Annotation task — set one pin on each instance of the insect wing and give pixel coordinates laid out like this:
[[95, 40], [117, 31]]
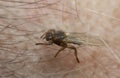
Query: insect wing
[[84, 39]]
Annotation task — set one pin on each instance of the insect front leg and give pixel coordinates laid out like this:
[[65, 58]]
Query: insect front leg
[[49, 43], [74, 48], [59, 51]]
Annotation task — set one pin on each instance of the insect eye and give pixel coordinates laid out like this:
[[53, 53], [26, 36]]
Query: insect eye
[[49, 36]]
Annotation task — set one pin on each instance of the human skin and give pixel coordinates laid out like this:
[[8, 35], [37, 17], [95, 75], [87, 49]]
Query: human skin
[[23, 22]]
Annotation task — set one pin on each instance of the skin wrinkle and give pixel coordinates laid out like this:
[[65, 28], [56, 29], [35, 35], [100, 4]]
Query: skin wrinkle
[[24, 21]]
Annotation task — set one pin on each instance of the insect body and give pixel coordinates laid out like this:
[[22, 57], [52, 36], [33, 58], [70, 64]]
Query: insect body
[[65, 40]]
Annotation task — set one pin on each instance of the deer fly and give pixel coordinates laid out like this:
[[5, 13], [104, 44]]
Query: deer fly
[[65, 39]]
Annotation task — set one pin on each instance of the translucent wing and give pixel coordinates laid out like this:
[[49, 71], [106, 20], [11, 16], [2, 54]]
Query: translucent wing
[[83, 39]]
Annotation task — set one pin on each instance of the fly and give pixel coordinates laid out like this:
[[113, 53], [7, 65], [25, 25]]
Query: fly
[[64, 40]]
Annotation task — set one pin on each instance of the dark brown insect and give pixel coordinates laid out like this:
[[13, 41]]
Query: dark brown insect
[[65, 40]]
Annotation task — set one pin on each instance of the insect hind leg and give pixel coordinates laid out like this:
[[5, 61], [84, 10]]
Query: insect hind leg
[[74, 48]]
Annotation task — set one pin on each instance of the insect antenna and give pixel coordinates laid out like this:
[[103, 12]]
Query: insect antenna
[[43, 36]]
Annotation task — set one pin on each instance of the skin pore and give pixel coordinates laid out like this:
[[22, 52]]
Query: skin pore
[[22, 22]]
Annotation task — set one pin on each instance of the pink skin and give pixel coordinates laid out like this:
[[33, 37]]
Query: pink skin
[[23, 22]]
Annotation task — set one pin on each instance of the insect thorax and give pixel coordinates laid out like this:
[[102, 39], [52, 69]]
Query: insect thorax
[[58, 37]]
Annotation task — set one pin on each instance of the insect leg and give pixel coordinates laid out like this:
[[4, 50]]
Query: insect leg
[[49, 43], [74, 48], [43, 43], [59, 51]]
